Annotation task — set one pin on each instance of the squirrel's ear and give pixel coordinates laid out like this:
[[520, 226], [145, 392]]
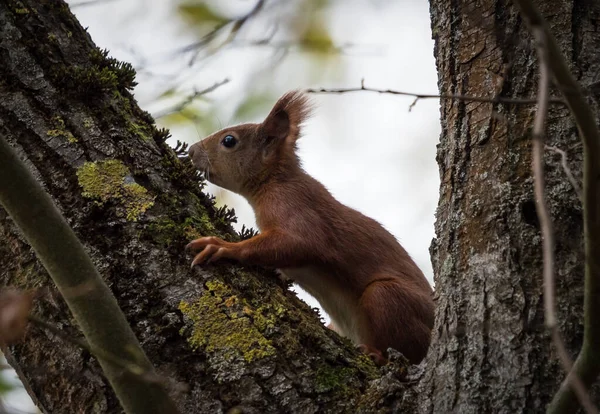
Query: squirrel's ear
[[286, 117]]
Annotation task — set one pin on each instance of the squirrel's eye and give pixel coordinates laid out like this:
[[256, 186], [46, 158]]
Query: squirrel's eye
[[229, 141]]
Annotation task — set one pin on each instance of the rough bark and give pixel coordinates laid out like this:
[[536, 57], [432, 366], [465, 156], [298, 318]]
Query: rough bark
[[491, 352], [224, 336]]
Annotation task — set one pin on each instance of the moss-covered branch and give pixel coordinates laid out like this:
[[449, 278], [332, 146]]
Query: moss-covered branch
[[93, 306]]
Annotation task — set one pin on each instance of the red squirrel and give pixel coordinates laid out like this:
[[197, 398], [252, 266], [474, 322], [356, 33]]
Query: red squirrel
[[367, 283]]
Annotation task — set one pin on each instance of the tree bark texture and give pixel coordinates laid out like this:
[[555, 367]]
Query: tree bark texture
[[490, 351], [222, 336]]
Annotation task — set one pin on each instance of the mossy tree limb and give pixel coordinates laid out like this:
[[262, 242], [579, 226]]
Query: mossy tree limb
[[135, 206]]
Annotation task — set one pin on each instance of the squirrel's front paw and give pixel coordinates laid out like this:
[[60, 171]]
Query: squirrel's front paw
[[202, 242], [211, 253], [212, 249]]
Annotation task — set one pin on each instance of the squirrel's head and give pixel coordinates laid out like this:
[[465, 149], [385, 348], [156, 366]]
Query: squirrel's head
[[242, 158]]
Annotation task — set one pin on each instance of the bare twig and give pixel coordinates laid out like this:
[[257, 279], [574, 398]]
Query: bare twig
[[189, 99], [587, 365], [565, 166], [236, 25], [417, 96], [546, 221], [89, 3], [341, 49]]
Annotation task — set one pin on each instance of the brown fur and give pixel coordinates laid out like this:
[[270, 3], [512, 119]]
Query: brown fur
[[368, 284]]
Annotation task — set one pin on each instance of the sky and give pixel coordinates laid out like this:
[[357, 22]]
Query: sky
[[368, 149]]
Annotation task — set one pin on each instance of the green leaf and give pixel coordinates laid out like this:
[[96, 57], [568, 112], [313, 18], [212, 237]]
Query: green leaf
[[316, 38], [169, 93], [200, 13]]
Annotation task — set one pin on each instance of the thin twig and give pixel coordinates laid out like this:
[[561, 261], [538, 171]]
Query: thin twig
[[210, 36], [587, 365], [89, 3], [417, 96], [565, 166], [189, 99], [546, 221]]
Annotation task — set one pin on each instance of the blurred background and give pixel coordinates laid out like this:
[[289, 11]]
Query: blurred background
[[204, 65]]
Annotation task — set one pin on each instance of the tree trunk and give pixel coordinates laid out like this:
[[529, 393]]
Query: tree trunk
[[491, 352], [224, 336]]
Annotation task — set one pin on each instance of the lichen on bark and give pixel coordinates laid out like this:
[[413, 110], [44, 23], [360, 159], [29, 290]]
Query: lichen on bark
[[223, 324], [110, 180]]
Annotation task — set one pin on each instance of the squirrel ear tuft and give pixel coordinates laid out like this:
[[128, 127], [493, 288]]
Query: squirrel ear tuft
[[286, 117]]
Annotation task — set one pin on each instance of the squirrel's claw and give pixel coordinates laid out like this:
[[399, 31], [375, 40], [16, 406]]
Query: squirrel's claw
[[210, 254], [206, 255], [202, 242]]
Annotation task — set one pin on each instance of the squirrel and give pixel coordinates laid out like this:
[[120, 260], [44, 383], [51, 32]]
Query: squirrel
[[367, 283]]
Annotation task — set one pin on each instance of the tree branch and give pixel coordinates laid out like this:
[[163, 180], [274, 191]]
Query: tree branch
[[86, 3], [565, 166], [210, 36], [65, 259], [189, 99], [417, 96], [546, 221], [587, 365]]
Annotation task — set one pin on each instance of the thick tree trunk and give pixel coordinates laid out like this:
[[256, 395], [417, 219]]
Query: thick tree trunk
[[224, 336], [491, 352]]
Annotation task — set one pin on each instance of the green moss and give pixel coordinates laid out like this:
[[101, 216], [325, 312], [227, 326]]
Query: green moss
[[60, 130], [122, 105], [93, 79], [176, 169], [161, 135], [52, 38], [88, 123], [365, 364], [330, 378], [124, 72], [142, 131], [105, 180], [164, 231], [217, 326], [168, 233], [103, 73], [22, 10], [207, 223]]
